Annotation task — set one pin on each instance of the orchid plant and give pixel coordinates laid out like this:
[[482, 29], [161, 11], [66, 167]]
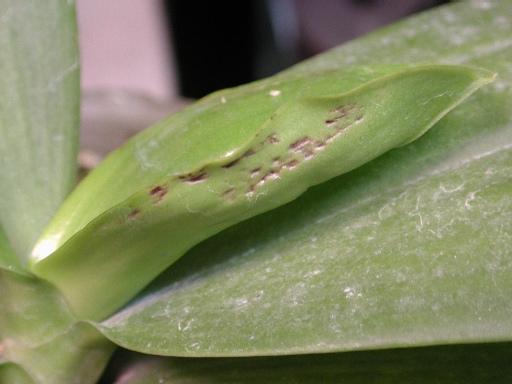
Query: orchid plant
[[313, 226]]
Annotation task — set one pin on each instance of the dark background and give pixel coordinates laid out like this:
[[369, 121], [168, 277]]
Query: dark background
[[224, 43]]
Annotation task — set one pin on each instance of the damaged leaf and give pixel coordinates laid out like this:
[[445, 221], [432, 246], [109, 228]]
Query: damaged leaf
[[305, 141]]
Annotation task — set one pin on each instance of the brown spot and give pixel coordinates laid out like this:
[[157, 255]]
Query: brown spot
[[308, 154], [269, 176], [343, 110], [194, 178], [304, 146], [135, 212], [159, 192], [255, 172], [232, 164], [248, 153], [320, 145], [229, 194], [299, 144], [272, 175], [272, 139], [250, 191], [291, 164], [341, 113]]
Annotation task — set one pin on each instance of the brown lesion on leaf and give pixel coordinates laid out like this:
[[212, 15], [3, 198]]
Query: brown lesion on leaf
[[343, 117], [269, 176], [193, 178], [158, 191], [305, 147], [320, 145], [302, 148], [236, 161], [134, 213], [229, 194], [255, 172], [251, 189], [272, 139], [276, 162], [232, 164], [344, 110], [339, 114], [298, 145], [292, 164]]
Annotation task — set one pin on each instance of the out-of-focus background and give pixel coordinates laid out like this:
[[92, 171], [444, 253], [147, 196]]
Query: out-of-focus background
[[142, 60]]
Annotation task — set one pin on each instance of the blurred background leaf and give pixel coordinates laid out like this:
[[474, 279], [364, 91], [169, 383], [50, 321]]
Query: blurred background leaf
[[464, 364], [39, 108]]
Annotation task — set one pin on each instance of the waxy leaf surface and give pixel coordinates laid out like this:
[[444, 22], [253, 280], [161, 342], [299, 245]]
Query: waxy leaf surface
[[40, 340], [38, 115], [304, 142], [413, 248]]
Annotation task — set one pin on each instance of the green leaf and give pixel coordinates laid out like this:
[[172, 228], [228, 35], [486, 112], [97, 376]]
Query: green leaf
[[410, 249], [464, 364], [12, 373], [304, 142], [40, 341], [177, 144], [39, 336], [38, 115], [8, 258], [342, 270]]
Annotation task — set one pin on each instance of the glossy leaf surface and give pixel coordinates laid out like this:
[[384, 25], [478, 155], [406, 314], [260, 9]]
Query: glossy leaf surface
[[8, 258], [42, 338], [304, 142], [38, 115], [40, 341], [410, 249], [211, 130]]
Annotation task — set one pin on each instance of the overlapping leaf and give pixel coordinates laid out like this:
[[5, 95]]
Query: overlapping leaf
[[292, 144], [40, 341], [38, 115], [411, 249]]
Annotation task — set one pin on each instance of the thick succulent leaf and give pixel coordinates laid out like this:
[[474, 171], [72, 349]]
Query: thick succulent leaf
[[12, 373], [40, 337], [464, 364], [410, 249], [38, 115], [304, 142], [385, 269], [8, 258], [208, 131]]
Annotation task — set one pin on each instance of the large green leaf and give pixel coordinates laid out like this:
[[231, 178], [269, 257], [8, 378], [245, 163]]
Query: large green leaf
[[410, 249], [8, 258], [38, 115], [42, 338], [303, 142], [467, 364]]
